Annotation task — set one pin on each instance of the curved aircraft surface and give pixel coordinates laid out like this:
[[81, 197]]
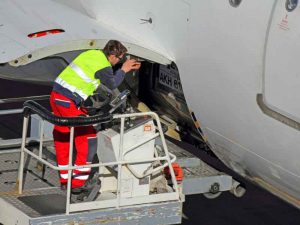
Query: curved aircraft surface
[[237, 62]]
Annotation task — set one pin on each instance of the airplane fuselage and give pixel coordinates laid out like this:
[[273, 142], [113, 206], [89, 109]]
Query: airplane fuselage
[[237, 63]]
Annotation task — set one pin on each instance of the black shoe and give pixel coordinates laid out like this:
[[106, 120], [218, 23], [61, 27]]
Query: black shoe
[[87, 185], [63, 187], [77, 191], [90, 190]]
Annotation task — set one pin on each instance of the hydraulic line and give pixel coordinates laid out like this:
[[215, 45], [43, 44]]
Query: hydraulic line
[[33, 107]]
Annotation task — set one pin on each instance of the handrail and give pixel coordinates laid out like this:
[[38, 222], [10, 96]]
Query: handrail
[[23, 99], [33, 107], [123, 162], [19, 99]]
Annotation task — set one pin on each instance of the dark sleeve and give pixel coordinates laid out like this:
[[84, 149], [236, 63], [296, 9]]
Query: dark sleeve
[[109, 78]]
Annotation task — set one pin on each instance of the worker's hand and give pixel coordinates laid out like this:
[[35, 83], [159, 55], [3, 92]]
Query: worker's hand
[[130, 64]]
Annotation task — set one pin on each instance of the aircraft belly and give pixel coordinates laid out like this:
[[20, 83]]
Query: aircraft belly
[[9, 47], [78, 31], [221, 78], [249, 164]]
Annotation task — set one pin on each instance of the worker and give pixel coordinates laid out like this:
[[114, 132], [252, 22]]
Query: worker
[[79, 80]]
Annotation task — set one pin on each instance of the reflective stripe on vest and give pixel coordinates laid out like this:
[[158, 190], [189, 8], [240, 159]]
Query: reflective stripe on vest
[[82, 74], [71, 88], [79, 76]]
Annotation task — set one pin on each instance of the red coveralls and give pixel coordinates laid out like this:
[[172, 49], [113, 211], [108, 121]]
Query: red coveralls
[[85, 139]]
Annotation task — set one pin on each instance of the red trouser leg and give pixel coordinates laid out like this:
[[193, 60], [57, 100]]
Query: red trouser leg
[[85, 153], [61, 142], [85, 148]]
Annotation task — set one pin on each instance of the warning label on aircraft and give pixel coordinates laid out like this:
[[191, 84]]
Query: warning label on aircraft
[[284, 24], [169, 77]]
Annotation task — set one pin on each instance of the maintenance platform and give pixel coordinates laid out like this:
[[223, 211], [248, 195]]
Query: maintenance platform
[[133, 155]]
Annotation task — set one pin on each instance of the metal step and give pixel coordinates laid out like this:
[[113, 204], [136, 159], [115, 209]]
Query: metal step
[[199, 177], [36, 175], [184, 158]]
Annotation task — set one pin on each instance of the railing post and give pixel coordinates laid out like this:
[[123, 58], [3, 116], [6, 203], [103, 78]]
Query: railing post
[[120, 158], [165, 148], [70, 171], [41, 139], [21, 166]]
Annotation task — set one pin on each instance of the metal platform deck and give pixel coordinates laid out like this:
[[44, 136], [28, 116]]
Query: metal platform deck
[[42, 201]]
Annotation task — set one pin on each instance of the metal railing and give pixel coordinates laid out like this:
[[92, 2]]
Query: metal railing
[[172, 196], [19, 99], [15, 143]]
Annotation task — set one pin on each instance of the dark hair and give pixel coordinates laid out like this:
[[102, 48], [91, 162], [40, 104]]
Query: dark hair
[[114, 47]]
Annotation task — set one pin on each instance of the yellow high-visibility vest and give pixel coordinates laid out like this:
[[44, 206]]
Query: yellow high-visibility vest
[[79, 76]]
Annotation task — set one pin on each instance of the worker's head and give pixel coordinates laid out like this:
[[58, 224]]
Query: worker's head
[[114, 51]]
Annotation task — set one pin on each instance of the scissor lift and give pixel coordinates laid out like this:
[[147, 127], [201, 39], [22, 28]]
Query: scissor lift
[[30, 192]]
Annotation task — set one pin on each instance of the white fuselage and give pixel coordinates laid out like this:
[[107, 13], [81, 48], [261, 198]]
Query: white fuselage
[[233, 55], [226, 56]]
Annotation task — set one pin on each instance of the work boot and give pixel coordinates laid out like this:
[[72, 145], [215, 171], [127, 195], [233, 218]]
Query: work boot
[[89, 191], [63, 187]]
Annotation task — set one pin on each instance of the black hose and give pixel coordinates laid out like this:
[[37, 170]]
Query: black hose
[[33, 107]]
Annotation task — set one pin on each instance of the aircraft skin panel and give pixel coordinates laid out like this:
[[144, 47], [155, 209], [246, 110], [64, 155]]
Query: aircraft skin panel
[[219, 50], [222, 60], [9, 47], [167, 30], [80, 31], [221, 77], [282, 81], [14, 12]]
